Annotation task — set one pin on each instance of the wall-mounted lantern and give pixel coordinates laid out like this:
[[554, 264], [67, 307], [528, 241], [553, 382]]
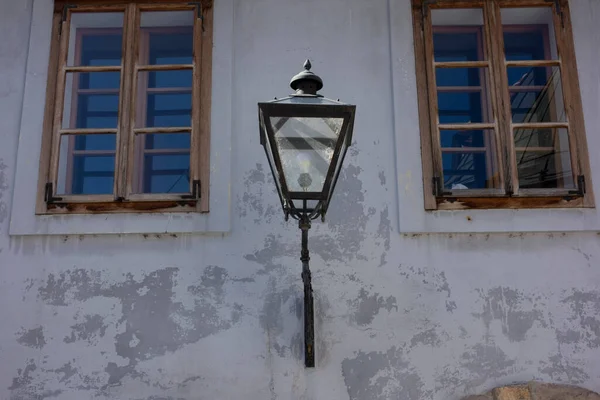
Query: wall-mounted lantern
[[306, 137]]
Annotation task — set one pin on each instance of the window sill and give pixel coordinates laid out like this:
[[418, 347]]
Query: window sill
[[122, 207], [468, 203]]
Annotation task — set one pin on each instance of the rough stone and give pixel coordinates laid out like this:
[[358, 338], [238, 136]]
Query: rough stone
[[516, 392]]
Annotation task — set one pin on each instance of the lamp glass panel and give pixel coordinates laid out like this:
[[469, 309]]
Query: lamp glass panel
[[306, 147]]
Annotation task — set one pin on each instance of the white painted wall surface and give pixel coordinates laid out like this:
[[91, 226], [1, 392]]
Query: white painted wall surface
[[400, 315]]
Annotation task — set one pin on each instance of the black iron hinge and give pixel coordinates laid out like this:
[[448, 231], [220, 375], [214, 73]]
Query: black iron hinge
[[49, 198], [580, 191], [198, 6], [196, 191], [559, 10], [424, 11], [438, 188], [65, 12]]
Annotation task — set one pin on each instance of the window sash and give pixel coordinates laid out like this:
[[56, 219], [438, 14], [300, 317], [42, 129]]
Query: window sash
[[126, 131], [509, 193]]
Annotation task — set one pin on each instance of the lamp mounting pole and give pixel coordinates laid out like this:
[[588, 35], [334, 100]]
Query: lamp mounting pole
[[309, 322]]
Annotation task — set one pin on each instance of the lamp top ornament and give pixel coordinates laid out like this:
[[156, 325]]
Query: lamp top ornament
[[306, 82]]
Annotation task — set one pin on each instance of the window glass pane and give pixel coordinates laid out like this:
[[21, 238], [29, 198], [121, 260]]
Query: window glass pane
[[162, 163], [462, 95], [95, 39], [86, 164], [543, 158], [469, 159], [164, 99], [167, 37], [458, 34], [91, 100], [529, 33], [536, 94]]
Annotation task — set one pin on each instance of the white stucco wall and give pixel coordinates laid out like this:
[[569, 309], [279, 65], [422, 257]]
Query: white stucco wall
[[213, 310]]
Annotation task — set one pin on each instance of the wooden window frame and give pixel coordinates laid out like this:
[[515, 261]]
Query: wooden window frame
[[509, 196], [123, 200]]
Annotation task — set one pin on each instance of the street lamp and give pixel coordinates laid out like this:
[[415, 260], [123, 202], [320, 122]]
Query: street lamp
[[305, 137]]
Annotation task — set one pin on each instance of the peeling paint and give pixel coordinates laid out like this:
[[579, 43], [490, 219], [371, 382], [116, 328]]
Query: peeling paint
[[154, 323], [560, 369], [367, 307], [32, 338], [484, 362], [585, 308], [88, 330], [382, 376], [509, 306], [427, 337], [348, 220], [281, 305]]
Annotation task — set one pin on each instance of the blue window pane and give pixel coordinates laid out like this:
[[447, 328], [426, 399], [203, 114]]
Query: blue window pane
[[167, 141], [536, 95], [464, 170], [93, 174], [166, 173], [173, 79], [97, 111], [460, 107], [457, 46], [97, 185], [95, 142], [172, 48], [527, 45], [459, 76], [165, 110], [101, 49], [99, 80], [453, 138], [86, 164]]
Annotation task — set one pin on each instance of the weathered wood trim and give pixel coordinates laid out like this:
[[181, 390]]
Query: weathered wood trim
[[47, 129], [499, 96], [124, 200], [463, 203]]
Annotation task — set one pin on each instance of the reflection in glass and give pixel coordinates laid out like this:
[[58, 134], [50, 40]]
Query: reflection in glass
[[165, 99], [306, 147], [536, 94], [468, 159], [543, 158], [86, 164], [162, 163], [457, 34], [462, 95], [91, 100], [166, 37], [529, 33], [95, 39]]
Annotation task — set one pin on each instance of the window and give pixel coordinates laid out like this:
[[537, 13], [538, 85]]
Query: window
[[128, 108], [499, 103]]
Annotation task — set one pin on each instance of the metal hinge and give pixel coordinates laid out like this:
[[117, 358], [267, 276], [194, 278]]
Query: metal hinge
[[580, 186], [198, 6], [65, 12], [424, 11], [438, 188], [196, 191], [559, 10], [49, 198]]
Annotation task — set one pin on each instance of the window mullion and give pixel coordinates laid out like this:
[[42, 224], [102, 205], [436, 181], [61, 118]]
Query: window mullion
[[570, 91], [60, 100], [127, 101], [436, 150], [501, 97]]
